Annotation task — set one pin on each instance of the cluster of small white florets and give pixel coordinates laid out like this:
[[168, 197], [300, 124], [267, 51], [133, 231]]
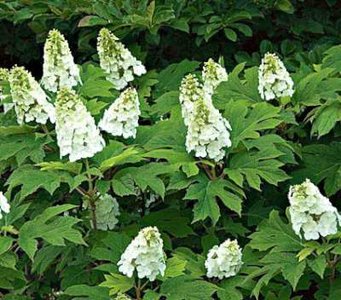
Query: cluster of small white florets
[[59, 68], [4, 205], [107, 211], [30, 101], [213, 74], [116, 60], [311, 212], [190, 91], [145, 254], [274, 79], [208, 132], [224, 260], [77, 133], [122, 117]]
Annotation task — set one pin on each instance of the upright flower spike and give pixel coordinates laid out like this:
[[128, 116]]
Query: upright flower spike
[[311, 212], [224, 261], [208, 132], [107, 210], [190, 91], [116, 60], [122, 117], [30, 100], [274, 79], [145, 254], [4, 205], [213, 74], [59, 68], [77, 133]]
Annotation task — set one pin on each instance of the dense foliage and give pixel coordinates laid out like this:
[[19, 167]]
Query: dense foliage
[[188, 150]]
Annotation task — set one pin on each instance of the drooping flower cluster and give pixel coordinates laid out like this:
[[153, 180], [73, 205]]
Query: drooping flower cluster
[[59, 68], [116, 60], [311, 212], [145, 254], [224, 260], [77, 133], [30, 101], [213, 74], [208, 132], [107, 210], [4, 205], [274, 79], [122, 117]]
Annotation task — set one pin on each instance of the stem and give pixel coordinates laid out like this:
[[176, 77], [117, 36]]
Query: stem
[[138, 290], [93, 214], [91, 194]]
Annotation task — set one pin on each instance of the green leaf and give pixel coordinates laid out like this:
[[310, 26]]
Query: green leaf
[[255, 166], [247, 124], [91, 292], [321, 163], [230, 34], [5, 244], [175, 267], [31, 179], [318, 265], [47, 226], [276, 235], [207, 192], [117, 283], [237, 88], [187, 288]]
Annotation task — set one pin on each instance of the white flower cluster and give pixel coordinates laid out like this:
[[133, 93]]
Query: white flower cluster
[[30, 101], [190, 91], [274, 79], [59, 68], [224, 260], [116, 60], [77, 133], [107, 210], [208, 132], [312, 212], [122, 117], [145, 254], [4, 205], [213, 74]]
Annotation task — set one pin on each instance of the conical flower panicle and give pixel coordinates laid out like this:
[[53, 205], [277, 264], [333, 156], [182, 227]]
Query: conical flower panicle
[[274, 79], [30, 100], [77, 133], [59, 68], [116, 60], [145, 254], [190, 91], [208, 132], [4, 205], [122, 117], [311, 212], [224, 261], [213, 74]]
